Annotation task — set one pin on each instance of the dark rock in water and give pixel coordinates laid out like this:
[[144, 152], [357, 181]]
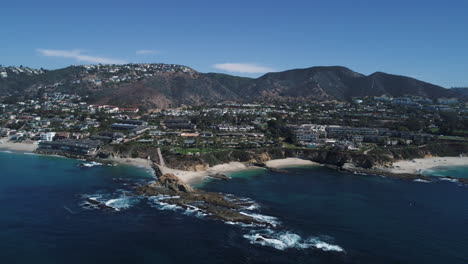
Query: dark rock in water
[[219, 176], [215, 205], [97, 204], [153, 189], [278, 170], [157, 170], [173, 183], [259, 164], [92, 201]]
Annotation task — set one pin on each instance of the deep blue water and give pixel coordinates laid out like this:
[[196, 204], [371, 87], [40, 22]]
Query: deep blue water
[[373, 219]]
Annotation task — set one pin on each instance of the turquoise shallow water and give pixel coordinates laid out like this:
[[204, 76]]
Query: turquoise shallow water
[[456, 171], [322, 216]]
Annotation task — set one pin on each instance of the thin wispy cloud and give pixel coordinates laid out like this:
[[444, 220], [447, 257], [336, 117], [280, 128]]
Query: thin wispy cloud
[[242, 68], [146, 52], [78, 56]]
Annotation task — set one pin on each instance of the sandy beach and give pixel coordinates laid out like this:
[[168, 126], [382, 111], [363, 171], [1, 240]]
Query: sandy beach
[[17, 147], [194, 177], [137, 162], [419, 165], [289, 162]]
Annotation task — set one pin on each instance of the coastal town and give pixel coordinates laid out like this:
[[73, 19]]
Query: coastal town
[[60, 122], [234, 132]]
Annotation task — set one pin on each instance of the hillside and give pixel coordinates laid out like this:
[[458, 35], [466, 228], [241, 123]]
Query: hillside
[[463, 91], [340, 83], [169, 85]]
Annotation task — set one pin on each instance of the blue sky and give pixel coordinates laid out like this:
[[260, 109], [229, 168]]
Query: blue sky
[[427, 40]]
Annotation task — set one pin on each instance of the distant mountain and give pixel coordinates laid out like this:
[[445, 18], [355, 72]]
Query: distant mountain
[[463, 91], [340, 83], [169, 85]]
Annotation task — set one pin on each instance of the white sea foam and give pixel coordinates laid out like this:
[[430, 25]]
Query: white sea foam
[[449, 179], [157, 202], [421, 180], [263, 218], [122, 203], [252, 207], [118, 201], [286, 240], [90, 164], [193, 210], [241, 224]]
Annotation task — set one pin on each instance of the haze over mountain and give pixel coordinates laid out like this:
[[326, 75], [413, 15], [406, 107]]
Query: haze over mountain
[[169, 85]]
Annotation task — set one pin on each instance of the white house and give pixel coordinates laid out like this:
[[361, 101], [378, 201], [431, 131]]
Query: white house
[[49, 136]]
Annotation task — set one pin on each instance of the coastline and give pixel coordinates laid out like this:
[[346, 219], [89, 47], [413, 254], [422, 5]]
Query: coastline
[[402, 169], [135, 162], [289, 162], [195, 177], [20, 147], [418, 166]]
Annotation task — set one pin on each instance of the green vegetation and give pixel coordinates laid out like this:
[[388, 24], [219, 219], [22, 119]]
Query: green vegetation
[[196, 150]]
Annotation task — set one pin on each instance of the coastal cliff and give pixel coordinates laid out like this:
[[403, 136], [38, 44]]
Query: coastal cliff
[[381, 157]]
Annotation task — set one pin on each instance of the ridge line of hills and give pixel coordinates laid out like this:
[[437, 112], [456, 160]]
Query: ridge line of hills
[[169, 85]]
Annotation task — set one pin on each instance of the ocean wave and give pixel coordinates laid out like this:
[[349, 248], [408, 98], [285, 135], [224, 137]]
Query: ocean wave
[[122, 203], [421, 180], [89, 164], [245, 203], [193, 210], [158, 203], [117, 201], [287, 240], [449, 179], [273, 221]]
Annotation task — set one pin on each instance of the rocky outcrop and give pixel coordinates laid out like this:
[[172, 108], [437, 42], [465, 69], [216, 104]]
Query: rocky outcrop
[[348, 167], [214, 205], [173, 183]]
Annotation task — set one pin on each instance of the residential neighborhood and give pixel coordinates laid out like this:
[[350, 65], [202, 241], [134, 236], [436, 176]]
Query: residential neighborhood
[[67, 119]]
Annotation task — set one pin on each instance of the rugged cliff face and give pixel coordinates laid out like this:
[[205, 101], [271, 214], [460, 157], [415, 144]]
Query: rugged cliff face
[[375, 158]]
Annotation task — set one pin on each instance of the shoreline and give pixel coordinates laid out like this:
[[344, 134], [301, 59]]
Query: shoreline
[[419, 166], [18, 147], [289, 163], [135, 162], [402, 169], [196, 177]]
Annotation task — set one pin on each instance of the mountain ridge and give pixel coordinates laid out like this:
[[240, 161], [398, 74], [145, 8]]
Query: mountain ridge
[[170, 85]]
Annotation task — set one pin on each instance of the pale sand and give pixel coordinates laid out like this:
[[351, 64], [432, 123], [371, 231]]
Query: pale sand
[[137, 162], [194, 177], [289, 162], [228, 167], [189, 177], [17, 147], [420, 165]]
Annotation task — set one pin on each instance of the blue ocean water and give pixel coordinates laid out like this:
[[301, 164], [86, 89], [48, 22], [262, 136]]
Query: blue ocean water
[[322, 216]]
